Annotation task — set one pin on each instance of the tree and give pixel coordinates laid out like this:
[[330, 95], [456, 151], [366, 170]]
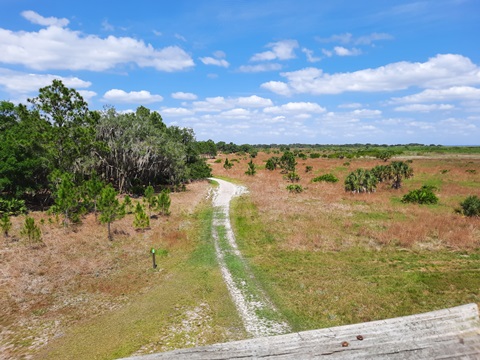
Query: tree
[[110, 208], [141, 221], [149, 198], [382, 172], [227, 164], [251, 170], [361, 180], [127, 204], [72, 133], [399, 170], [288, 162], [31, 231], [384, 155], [93, 190], [67, 197], [272, 163], [5, 224], [163, 202]]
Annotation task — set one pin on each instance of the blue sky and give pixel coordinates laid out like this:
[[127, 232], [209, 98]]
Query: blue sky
[[327, 72]]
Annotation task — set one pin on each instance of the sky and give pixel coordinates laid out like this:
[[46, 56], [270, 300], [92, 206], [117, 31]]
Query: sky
[[259, 71]]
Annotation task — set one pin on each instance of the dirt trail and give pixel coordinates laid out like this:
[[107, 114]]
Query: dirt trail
[[259, 316]]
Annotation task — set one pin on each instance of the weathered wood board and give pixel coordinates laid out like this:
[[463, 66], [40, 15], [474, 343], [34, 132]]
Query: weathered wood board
[[444, 334]]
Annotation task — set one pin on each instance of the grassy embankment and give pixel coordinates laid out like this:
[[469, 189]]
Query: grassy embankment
[[95, 299], [329, 258]]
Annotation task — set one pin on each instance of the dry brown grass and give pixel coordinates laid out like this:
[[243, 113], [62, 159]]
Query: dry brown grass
[[78, 273], [325, 217]]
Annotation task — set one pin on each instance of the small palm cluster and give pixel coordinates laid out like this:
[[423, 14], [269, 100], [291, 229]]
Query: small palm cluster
[[363, 180]]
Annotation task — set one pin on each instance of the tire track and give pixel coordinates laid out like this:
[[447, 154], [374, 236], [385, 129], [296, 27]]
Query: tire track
[[259, 316]]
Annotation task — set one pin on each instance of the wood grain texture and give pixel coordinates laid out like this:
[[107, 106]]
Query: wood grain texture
[[444, 334]]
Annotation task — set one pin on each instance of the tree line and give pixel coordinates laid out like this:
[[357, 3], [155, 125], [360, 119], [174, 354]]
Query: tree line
[[56, 139]]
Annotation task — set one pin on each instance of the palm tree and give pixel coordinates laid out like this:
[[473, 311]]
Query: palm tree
[[361, 180], [399, 170]]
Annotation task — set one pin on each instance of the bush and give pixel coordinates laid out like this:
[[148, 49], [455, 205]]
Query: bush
[[424, 195], [12, 206], [471, 206], [31, 231], [326, 177], [295, 188]]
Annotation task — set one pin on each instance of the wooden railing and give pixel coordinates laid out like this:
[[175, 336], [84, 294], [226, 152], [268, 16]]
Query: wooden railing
[[444, 334]]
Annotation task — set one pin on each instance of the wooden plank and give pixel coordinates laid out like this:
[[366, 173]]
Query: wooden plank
[[444, 334]]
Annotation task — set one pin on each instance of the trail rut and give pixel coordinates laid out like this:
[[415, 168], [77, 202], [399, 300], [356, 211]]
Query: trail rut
[[259, 316]]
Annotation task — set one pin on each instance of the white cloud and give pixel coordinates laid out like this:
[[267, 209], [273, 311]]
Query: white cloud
[[19, 82], [366, 113], [213, 61], [61, 48], [141, 97], [348, 38], [87, 94], [259, 68], [184, 96], [35, 18], [433, 95], [237, 113], [253, 101], [281, 50], [180, 37], [219, 103], [341, 51], [106, 26], [173, 112], [309, 54], [350, 106], [277, 87], [424, 107], [295, 107], [439, 71]]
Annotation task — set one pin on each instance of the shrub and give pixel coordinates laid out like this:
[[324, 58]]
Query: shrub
[[252, 169], [295, 188], [326, 177], [31, 231], [5, 224], [471, 206], [12, 206], [308, 168], [163, 202], [424, 195], [292, 177], [141, 221], [315, 155]]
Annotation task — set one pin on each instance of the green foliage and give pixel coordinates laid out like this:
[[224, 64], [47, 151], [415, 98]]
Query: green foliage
[[12, 206], [471, 206], [315, 155], [163, 202], [92, 190], [199, 169], [385, 155], [110, 208], [292, 177], [227, 164], [288, 162], [149, 198], [382, 172], [308, 168], [424, 195], [141, 220], [360, 181], [326, 177], [5, 224], [295, 188], [218, 161], [127, 204], [67, 198], [272, 163], [399, 170], [31, 231], [252, 169]]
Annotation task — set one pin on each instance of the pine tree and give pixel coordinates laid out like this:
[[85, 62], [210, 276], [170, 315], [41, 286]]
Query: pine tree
[[141, 221], [110, 208], [163, 202]]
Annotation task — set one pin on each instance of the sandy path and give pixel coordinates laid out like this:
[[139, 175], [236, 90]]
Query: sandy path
[[251, 302]]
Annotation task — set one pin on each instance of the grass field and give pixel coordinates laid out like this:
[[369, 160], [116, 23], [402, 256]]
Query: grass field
[[83, 297], [325, 257], [329, 258]]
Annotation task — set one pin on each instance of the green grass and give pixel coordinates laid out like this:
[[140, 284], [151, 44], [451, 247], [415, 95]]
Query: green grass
[[329, 288], [153, 318]]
